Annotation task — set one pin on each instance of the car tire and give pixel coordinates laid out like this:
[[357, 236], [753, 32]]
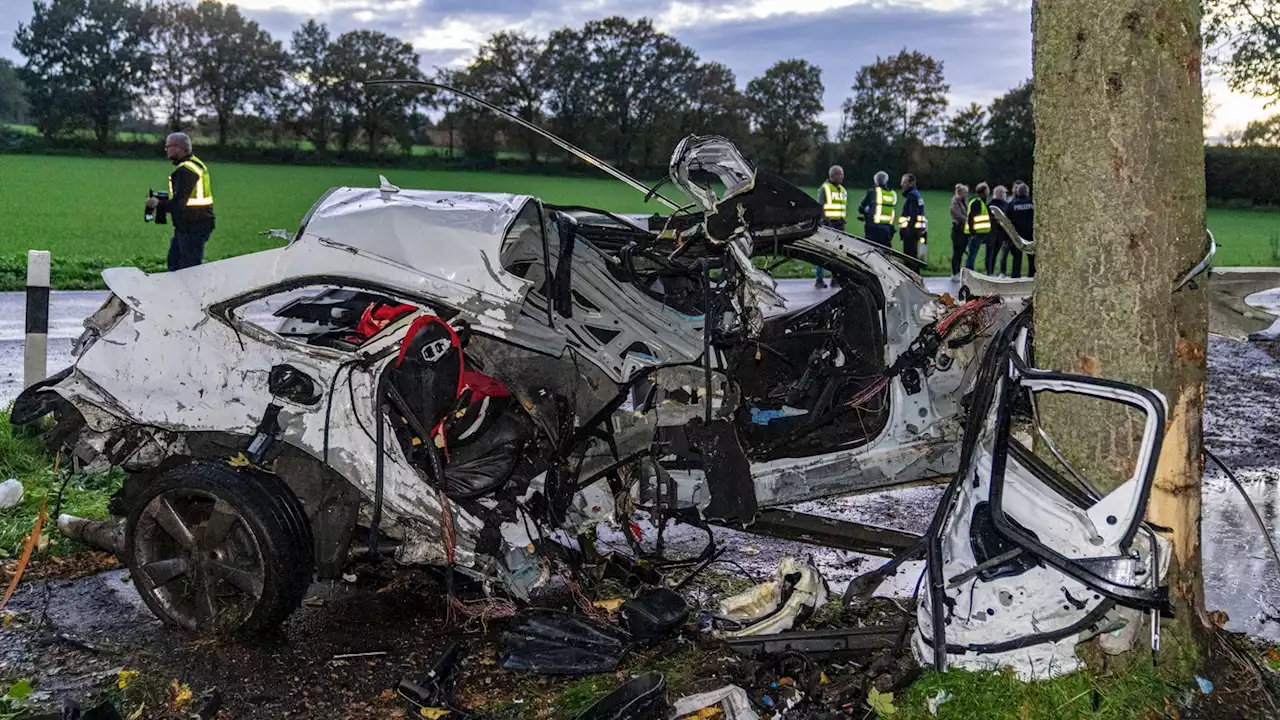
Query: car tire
[[216, 549]]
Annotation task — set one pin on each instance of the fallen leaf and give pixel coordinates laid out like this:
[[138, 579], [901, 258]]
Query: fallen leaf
[[8, 619], [138, 713], [1025, 712], [881, 703], [313, 602], [181, 694], [20, 690], [125, 677], [432, 713], [387, 694], [1219, 618], [708, 712], [610, 606], [1273, 658]]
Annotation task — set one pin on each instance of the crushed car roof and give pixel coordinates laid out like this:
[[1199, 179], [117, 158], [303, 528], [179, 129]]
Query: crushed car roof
[[457, 236]]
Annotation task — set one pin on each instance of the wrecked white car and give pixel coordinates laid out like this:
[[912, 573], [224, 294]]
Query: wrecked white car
[[457, 378]]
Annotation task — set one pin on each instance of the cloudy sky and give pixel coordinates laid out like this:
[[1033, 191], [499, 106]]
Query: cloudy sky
[[985, 45]]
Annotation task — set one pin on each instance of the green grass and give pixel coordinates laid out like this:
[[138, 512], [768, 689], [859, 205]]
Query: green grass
[[27, 460], [88, 211]]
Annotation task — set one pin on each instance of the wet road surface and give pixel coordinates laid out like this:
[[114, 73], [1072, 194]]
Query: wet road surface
[[293, 674]]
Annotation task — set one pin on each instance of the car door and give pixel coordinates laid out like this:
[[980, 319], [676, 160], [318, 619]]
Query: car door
[[1025, 561]]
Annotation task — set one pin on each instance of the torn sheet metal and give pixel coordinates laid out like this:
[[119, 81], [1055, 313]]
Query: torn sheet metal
[[1021, 564]]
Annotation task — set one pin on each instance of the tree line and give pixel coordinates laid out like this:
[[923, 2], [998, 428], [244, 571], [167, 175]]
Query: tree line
[[617, 87]]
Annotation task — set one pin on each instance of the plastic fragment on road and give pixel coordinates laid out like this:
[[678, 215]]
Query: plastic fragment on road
[[936, 701], [643, 697], [732, 700], [10, 493], [552, 642], [778, 605], [654, 613]]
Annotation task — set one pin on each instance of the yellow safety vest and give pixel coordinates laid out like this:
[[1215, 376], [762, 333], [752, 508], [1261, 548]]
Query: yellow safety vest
[[979, 224], [835, 201], [202, 193], [885, 200], [922, 222]]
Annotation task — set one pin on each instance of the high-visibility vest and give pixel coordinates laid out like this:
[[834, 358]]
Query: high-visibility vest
[[979, 224], [202, 193], [835, 201], [922, 222], [885, 200]]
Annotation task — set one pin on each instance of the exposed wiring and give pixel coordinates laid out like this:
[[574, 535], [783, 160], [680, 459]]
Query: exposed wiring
[[1257, 517]]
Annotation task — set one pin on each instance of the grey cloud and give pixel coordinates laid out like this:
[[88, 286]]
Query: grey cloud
[[985, 51]]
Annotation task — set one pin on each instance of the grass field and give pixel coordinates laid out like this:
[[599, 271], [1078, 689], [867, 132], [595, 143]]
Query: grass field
[[88, 212]]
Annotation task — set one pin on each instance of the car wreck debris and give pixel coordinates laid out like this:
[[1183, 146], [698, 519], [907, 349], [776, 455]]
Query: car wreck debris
[[777, 605], [1022, 564], [643, 697], [731, 700], [553, 642]]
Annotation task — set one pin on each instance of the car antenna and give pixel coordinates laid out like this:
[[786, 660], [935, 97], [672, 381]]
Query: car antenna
[[562, 144]]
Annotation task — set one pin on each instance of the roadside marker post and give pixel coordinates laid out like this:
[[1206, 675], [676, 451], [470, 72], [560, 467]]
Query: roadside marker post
[[35, 348]]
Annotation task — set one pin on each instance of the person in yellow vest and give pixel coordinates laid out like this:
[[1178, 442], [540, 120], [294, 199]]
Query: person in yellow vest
[[190, 203], [876, 211], [977, 224], [835, 205]]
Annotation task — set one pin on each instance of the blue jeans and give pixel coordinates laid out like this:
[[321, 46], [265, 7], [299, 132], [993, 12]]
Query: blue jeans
[[186, 248], [976, 243]]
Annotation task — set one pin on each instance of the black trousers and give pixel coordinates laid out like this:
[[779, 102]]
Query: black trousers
[[186, 247], [880, 234], [959, 242], [994, 241], [910, 241]]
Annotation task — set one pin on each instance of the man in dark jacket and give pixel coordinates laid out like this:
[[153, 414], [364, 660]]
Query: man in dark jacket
[[876, 211], [998, 242], [912, 221], [190, 203], [1022, 213]]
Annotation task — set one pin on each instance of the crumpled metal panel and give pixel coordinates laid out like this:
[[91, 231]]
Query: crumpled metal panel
[[452, 236]]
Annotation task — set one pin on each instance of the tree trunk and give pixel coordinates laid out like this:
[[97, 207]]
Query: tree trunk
[[1120, 189], [223, 123]]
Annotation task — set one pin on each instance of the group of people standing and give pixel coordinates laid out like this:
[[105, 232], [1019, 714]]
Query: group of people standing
[[877, 211], [972, 229]]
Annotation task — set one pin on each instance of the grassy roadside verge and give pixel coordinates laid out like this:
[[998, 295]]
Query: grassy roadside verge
[[26, 460]]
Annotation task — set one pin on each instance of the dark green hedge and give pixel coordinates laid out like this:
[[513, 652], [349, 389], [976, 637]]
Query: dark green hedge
[[1243, 176]]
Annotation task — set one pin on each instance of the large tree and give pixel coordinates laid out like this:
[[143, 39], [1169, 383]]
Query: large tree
[[238, 63], [1264, 133], [173, 83], [573, 95], [967, 128], [448, 103], [636, 68], [86, 63], [1245, 35], [1120, 190], [716, 105], [380, 111], [785, 104], [310, 89], [1011, 134], [510, 70], [901, 98], [13, 100]]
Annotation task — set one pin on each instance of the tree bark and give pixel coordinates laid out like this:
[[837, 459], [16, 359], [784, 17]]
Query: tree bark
[[1120, 194]]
